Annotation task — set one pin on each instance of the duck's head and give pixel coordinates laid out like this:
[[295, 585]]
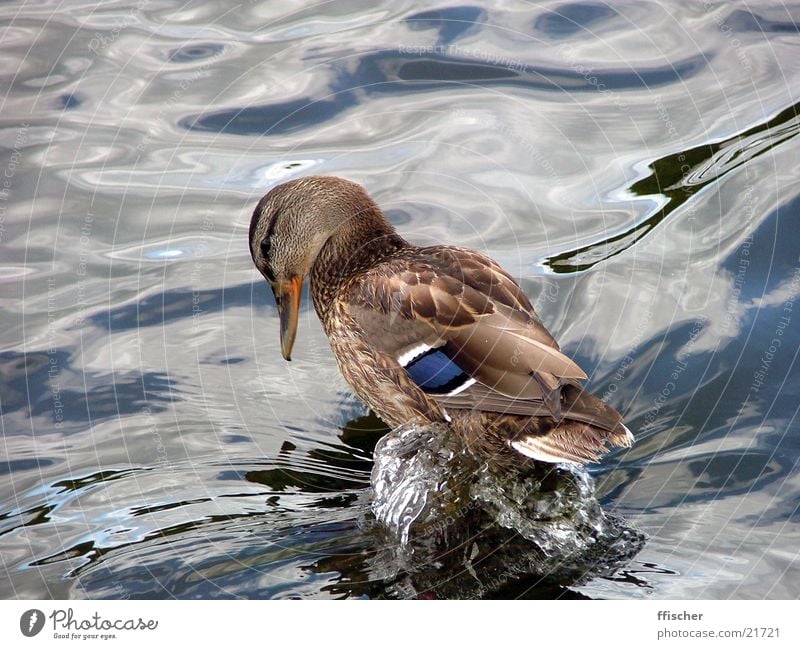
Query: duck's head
[[292, 223]]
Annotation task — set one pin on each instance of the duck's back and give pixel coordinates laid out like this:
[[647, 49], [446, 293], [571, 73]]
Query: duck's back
[[451, 331]]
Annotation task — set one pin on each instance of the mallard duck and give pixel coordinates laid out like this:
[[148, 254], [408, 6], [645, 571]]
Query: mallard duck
[[436, 334]]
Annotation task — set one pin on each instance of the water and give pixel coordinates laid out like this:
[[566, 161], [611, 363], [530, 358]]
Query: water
[[461, 527], [633, 164]]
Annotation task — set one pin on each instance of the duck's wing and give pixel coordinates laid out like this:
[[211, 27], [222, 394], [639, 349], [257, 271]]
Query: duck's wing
[[466, 334]]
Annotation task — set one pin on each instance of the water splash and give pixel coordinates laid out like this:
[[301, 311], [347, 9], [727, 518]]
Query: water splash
[[408, 468], [483, 524]]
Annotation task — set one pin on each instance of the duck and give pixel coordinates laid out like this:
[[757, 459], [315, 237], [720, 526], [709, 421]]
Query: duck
[[429, 335]]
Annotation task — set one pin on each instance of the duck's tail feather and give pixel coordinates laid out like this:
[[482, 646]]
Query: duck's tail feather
[[588, 428]]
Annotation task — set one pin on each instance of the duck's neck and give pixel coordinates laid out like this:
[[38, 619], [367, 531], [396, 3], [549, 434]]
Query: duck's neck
[[349, 252]]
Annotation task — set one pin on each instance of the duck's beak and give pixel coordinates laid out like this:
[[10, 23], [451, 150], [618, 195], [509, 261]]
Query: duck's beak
[[287, 296]]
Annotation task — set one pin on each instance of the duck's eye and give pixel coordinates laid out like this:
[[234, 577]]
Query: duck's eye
[[265, 246]]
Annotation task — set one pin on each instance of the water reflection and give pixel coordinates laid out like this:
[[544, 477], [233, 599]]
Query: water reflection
[[191, 461], [677, 177], [379, 73], [324, 513], [572, 18]]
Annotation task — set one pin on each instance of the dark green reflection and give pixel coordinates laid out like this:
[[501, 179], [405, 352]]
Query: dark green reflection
[[678, 177]]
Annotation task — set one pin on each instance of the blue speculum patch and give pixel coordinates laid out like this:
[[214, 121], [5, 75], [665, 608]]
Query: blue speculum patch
[[435, 372]]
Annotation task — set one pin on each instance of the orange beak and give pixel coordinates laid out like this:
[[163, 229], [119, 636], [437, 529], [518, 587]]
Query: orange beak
[[287, 296]]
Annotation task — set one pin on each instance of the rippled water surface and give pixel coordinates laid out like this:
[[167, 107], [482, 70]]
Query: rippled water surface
[[633, 163]]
